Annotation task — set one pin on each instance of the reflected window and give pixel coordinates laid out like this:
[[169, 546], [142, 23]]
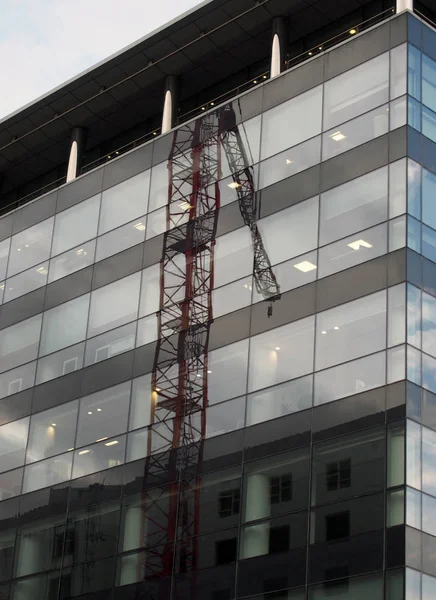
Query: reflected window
[[150, 291], [290, 162], [429, 82], [19, 343], [25, 282], [47, 473], [10, 486], [30, 247], [140, 405], [233, 256], [159, 186], [227, 372], [76, 225], [4, 256], [398, 71], [124, 202], [225, 417], [104, 455], [428, 195], [64, 325], [429, 461], [228, 503], [120, 239], [18, 379], [60, 363], [80, 257], [13, 440], [112, 343], [356, 91]]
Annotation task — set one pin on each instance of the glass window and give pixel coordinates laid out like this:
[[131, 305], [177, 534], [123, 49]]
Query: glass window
[[303, 271], [429, 517], [159, 186], [280, 400], [429, 123], [227, 372], [290, 162], [396, 315], [72, 261], [289, 232], [292, 122], [104, 455], [396, 451], [47, 473], [52, 431], [356, 91], [428, 321], [103, 414], [225, 417], [4, 255], [356, 132], [429, 82], [413, 455], [233, 296], [150, 291], [429, 461], [64, 325], [414, 72], [428, 587], [18, 379], [414, 176], [414, 110], [397, 233], [398, 112], [354, 206], [118, 240], [25, 282], [414, 365], [428, 196], [396, 364], [114, 304], [141, 402], [428, 242], [30, 247], [75, 225], [147, 330], [233, 256], [10, 484], [61, 363], [19, 343], [395, 508], [353, 250], [124, 202], [413, 508], [13, 440], [398, 71], [281, 354], [413, 585], [414, 237], [351, 378], [354, 588], [351, 330], [156, 223], [115, 341], [397, 188]]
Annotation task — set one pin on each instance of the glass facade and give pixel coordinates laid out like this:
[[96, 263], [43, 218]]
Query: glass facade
[[313, 478]]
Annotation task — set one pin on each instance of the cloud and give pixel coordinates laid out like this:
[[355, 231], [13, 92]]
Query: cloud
[[45, 43]]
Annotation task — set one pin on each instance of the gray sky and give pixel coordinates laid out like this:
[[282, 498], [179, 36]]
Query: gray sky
[[40, 48]]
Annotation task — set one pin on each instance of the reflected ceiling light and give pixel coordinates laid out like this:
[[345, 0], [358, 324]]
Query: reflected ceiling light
[[109, 156], [53, 424], [359, 244], [198, 374], [264, 76], [84, 452], [154, 133], [353, 31], [112, 443], [305, 266], [69, 449], [337, 136], [289, 162], [139, 226], [255, 81], [101, 439], [212, 103], [89, 412], [234, 185], [310, 53], [336, 327], [157, 390], [116, 152], [42, 270], [277, 348], [19, 249], [80, 251], [203, 108], [99, 409], [185, 206], [323, 332], [27, 245], [209, 372], [320, 48], [2, 286]]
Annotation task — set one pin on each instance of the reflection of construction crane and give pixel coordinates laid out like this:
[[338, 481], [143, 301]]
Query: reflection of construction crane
[[180, 371]]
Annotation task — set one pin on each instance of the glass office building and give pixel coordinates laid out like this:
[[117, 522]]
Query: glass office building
[[315, 467]]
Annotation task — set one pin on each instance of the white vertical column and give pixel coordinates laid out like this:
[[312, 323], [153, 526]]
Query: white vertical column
[[30, 554], [134, 528], [76, 152], [258, 506], [404, 5], [278, 46], [170, 103]]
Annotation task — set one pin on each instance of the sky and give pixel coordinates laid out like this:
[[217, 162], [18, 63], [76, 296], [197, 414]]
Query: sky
[[46, 42]]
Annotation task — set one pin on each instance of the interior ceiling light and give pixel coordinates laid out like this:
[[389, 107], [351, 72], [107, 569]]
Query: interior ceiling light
[[277, 348], [234, 185], [42, 270], [209, 372], [359, 244], [305, 266], [338, 136], [353, 31], [84, 452], [53, 424], [139, 226], [310, 53], [101, 439], [289, 162], [99, 409], [335, 327], [323, 332], [112, 443]]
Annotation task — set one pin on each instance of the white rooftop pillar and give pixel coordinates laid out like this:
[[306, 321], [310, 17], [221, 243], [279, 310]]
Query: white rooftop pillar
[[278, 46], [404, 5], [76, 153], [170, 104]]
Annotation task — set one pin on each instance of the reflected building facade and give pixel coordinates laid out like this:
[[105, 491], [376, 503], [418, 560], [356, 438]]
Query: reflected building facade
[[298, 460]]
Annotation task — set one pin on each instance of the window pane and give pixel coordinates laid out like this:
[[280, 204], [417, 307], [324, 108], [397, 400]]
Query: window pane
[[19, 343], [25, 282], [225, 417], [355, 588], [413, 455], [61, 363], [396, 315], [147, 330], [118, 240], [414, 72], [103, 414], [159, 186], [228, 372], [353, 250], [233, 256], [397, 188], [150, 291], [18, 379], [281, 354], [290, 162], [64, 325], [30, 247], [413, 585], [396, 364], [396, 451], [52, 431], [114, 305], [4, 255], [75, 225], [428, 322], [289, 232], [413, 508], [100, 456], [429, 461], [47, 473], [13, 440], [397, 233], [280, 400], [351, 378], [233, 296], [351, 330], [156, 223], [124, 202], [399, 71], [115, 341], [414, 365], [10, 484], [398, 112], [72, 261], [429, 123], [303, 271], [356, 91], [356, 132], [428, 587], [354, 206], [429, 82], [140, 406], [414, 110], [292, 122], [428, 196], [429, 517]]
